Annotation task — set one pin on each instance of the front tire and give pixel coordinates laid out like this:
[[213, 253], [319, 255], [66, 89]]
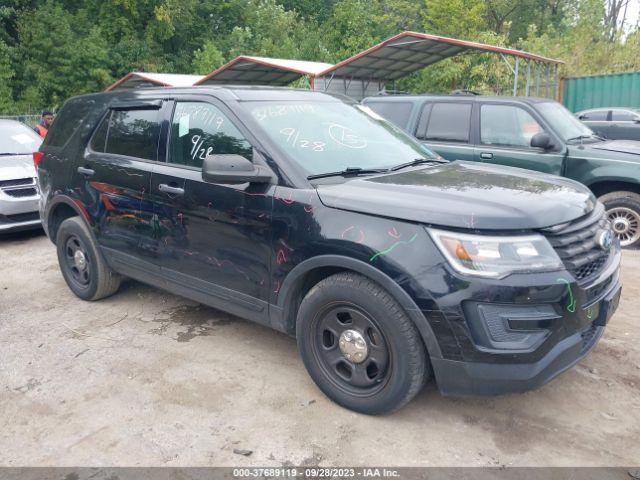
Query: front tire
[[82, 265], [623, 211], [359, 346]]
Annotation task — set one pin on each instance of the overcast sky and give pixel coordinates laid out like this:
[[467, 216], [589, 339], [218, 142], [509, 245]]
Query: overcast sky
[[633, 11]]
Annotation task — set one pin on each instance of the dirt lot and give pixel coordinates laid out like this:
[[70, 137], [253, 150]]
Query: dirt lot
[[148, 378]]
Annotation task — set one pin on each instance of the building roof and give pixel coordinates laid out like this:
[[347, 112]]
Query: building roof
[[264, 71], [141, 79], [408, 52]]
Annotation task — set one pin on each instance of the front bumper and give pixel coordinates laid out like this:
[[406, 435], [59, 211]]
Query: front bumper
[[469, 378], [19, 208], [562, 322]]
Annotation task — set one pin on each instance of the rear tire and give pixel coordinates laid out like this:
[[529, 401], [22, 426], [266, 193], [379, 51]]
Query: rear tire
[[82, 265], [623, 211], [359, 346]]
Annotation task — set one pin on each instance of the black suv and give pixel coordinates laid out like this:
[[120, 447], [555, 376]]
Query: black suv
[[308, 213]]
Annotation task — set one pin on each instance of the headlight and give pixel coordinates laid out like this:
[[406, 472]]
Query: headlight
[[495, 256]]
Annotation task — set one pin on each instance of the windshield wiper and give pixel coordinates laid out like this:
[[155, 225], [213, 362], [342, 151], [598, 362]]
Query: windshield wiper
[[416, 162], [348, 172]]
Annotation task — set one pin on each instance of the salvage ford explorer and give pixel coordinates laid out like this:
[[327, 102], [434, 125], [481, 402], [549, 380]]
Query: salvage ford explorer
[[310, 214]]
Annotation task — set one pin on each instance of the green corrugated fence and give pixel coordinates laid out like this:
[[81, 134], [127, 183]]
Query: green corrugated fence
[[616, 90]]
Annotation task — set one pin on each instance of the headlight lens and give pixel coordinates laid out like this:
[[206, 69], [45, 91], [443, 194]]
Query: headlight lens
[[495, 256]]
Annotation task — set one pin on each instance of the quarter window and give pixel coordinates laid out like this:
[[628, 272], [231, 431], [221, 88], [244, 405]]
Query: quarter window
[[449, 122], [100, 137], [200, 129], [506, 125]]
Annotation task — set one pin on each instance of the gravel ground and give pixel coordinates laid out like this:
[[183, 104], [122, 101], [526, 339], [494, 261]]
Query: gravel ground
[[145, 378]]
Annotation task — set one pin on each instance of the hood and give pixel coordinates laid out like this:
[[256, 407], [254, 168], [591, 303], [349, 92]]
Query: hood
[[619, 146], [16, 166], [465, 195]]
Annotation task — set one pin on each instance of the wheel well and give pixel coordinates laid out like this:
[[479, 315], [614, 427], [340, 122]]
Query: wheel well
[[300, 290], [60, 213], [604, 187]]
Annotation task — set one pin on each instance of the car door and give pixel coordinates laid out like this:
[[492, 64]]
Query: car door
[[445, 128], [625, 125], [505, 138], [114, 177], [597, 120], [213, 239]]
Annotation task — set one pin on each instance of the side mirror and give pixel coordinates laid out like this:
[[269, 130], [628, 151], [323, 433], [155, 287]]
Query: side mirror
[[541, 140], [233, 169], [636, 120]]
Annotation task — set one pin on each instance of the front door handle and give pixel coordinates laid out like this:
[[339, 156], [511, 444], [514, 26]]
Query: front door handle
[[486, 155], [163, 187], [87, 172]]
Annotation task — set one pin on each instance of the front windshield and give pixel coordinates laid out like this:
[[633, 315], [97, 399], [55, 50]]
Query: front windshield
[[331, 136], [563, 122], [18, 138]]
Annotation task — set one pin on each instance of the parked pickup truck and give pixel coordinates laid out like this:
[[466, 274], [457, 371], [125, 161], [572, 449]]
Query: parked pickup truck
[[537, 134]]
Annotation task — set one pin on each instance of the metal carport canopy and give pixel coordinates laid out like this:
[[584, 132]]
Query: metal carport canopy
[[142, 79], [263, 71], [408, 52]]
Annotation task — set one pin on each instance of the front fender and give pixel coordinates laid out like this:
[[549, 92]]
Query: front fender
[[589, 172], [283, 318]]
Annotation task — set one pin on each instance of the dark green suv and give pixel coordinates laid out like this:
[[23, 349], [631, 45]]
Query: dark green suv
[[531, 133]]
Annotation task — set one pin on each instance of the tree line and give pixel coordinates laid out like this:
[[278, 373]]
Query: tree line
[[53, 49]]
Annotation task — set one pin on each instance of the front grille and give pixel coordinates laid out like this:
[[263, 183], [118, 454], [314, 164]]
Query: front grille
[[16, 182], [22, 192], [20, 217], [576, 245]]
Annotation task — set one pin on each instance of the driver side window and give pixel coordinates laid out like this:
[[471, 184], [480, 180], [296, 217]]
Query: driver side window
[[507, 125], [199, 129]]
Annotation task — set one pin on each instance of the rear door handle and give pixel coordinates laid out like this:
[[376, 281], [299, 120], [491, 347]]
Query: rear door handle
[[163, 187], [486, 155], [87, 172]]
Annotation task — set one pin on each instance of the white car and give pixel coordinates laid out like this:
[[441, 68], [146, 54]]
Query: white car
[[19, 194]]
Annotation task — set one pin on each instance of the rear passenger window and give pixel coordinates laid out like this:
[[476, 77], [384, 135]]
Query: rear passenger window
[[134, 133], [449, 122], [396, 112], [200, 129]]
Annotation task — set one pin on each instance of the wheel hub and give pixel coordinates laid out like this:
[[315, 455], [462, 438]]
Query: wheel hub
[[80, 260], [620, 225], [625, 223], [353, 346]]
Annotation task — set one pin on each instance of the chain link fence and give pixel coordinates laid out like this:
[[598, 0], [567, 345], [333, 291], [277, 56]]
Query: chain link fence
[[29, 119]]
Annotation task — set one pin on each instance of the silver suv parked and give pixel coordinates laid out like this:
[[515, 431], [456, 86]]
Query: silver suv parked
[[18, 191]]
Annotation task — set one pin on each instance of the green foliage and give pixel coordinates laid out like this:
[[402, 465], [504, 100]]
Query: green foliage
[[207, 58], [6, 77], [52, 49]]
